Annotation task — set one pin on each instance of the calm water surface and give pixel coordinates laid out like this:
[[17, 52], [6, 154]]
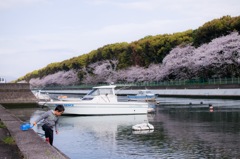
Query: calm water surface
[[184, 128]]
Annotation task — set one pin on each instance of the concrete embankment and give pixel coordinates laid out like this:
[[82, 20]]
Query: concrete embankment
[[29, 143], [206, 91], [16, 93]]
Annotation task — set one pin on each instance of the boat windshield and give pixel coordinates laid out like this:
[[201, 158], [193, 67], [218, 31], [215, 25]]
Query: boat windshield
[[103, 91]]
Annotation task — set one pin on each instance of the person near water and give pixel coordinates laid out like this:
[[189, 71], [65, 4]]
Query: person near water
[[50, 121]]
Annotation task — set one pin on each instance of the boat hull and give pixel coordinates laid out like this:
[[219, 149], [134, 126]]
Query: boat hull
[[81, 108]]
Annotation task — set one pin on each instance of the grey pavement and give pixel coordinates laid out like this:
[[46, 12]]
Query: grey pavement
[[30, 145]]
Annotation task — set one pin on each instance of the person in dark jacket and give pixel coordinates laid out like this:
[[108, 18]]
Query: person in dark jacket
[[50, 120]]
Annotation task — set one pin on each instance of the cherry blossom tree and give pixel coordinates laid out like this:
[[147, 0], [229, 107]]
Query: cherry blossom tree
[[219, 58]]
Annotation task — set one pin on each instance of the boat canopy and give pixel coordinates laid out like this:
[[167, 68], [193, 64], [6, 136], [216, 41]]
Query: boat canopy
[[101, 90], [101, 87]]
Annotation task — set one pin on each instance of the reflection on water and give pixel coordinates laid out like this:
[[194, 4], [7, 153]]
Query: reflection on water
[[182, 130], [201, 133], [95, 136], [22, 111]]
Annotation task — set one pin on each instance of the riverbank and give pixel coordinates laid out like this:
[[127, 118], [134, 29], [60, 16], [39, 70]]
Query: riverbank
[[29, 144]]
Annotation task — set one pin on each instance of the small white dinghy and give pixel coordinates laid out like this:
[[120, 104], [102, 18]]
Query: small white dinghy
[[142, 132], [143, 126]]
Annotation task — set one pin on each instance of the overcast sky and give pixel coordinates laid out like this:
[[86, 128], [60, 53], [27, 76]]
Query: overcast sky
[[35, 33]]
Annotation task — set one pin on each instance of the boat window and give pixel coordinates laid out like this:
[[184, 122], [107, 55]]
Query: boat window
[[148, 92], [106, 91], [94, 92], [140, 92], [102, 91], [87, 98]]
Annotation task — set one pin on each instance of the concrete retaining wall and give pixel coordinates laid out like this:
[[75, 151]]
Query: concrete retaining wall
[[211, 93], [29, 143], [225, 93], [16, 93]]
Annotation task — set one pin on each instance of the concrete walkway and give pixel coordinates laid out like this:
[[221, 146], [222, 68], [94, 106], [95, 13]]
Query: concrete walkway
[[30, 145]]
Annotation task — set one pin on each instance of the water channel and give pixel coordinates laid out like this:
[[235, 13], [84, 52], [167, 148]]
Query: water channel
[[184, 128]]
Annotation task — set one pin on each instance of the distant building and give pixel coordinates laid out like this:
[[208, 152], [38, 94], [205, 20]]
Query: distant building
[[2, 80]]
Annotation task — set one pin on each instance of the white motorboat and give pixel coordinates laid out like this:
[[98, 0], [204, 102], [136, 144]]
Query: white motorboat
[[143, 95], [42, 96], [101, 100]]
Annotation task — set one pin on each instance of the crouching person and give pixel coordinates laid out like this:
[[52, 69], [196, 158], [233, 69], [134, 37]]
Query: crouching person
[[50, 120]]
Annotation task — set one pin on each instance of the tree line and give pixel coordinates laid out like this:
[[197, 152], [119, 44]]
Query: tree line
[[145, 51]]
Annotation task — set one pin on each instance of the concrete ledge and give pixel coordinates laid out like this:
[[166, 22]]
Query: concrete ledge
[[16, 93], [30, 144]]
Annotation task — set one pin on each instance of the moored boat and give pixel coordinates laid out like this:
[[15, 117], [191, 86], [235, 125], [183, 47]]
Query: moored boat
[[143, 95], [42, 96], [101, 100]]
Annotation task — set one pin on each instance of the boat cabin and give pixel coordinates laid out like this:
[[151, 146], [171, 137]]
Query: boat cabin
[[101, 91]]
